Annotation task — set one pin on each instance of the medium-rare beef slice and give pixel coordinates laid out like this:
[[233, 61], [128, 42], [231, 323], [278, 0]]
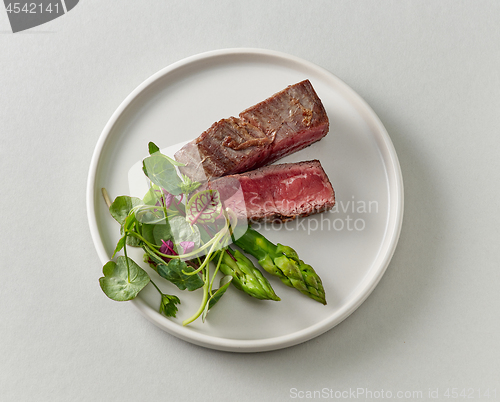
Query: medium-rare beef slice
[[282, 124], [277, 192]]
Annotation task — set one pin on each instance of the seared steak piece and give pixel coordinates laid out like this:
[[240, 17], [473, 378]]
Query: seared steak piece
[[295, 117], [276, 192], [286, 122]]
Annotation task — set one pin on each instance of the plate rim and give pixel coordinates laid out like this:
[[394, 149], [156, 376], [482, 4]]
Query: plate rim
[[396, 195]]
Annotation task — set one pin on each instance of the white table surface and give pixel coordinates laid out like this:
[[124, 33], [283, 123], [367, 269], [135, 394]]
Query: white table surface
[[429, 69]]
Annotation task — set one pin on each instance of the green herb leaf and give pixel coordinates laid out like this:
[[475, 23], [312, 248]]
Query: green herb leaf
[[181, 231], [115, 283], [152, 196], [224, 284], [129, 221], [168, 305], [204, 207], [161, 172], [162, 232], [189, 186], [119, 245], [121, 206], [173, 273], [133, 241], [153, 148], [160, 169], [147, 233]]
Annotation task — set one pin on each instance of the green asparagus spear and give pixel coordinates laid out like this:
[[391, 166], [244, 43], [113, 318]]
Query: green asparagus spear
[[246, 276], [283, 261]]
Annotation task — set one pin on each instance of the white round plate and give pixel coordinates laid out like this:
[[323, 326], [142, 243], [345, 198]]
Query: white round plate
[[349, 247]]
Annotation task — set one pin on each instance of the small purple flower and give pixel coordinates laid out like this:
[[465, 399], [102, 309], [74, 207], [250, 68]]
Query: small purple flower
[[187, 246]]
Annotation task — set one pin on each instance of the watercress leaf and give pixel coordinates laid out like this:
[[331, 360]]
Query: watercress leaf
[[182, 231], [150, 198], [204, 207], [162, 232], [153, 148], [173, 273], [121, 206], [224, 284], [115, 283], [133, 241], [168, 305], [119, 245], [161, 171], [147, 232]]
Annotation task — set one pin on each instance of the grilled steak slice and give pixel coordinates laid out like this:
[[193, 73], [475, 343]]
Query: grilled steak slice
[[277, 192], [282, 124], [295, 117]]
